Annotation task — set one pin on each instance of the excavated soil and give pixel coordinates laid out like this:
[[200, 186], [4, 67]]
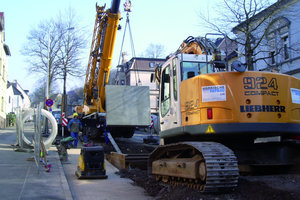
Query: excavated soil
[[263, 187], [275, 187]]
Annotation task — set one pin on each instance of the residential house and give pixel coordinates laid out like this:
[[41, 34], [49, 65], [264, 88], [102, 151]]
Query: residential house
[[280, 48], [16, 97], [137, 72], [4, 53]]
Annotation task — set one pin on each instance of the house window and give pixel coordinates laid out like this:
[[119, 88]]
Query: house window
[[152, 78], [278, 40], [272, 57], [285, 47]]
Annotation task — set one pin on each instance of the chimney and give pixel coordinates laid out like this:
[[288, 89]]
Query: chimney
[[124, 58]]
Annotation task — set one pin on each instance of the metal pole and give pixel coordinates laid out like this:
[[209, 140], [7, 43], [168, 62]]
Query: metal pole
[[62, 130], [47, 82], [64, 92], [64, 96], [115, 4], [48, 66]]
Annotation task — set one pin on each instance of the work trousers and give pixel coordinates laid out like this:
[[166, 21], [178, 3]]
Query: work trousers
[[75, 135]]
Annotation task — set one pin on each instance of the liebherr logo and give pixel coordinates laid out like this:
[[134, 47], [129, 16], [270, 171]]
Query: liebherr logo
[[262, 108]]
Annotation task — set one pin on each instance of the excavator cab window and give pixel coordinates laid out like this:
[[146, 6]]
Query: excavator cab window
[[174, 78], [165, 91], [191, 69]]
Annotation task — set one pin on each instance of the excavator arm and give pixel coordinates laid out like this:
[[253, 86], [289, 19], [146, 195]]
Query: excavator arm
[[98, 70], [198, 46]]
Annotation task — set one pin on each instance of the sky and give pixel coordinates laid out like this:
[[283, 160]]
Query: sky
[[165, 22]]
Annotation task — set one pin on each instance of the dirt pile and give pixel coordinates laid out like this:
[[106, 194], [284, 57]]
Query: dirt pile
[[128, 148]]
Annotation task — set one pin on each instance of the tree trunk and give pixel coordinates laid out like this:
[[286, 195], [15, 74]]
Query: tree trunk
[[249, 54], [249, 61]]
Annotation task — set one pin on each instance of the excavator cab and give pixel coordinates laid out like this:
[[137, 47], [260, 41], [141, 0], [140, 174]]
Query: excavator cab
[[178, 68]]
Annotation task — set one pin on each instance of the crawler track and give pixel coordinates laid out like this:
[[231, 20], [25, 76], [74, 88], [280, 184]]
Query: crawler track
[[207, 166]]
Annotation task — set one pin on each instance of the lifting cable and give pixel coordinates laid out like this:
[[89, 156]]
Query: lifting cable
[[127, 8]]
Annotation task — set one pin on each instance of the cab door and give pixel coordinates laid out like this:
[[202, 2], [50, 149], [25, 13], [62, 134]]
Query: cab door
[[169, 100]]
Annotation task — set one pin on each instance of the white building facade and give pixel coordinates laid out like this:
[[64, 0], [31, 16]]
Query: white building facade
[[279, 50], [16, 97], [4, 53]]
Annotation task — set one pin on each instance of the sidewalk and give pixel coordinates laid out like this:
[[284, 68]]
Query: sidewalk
[[112, 188], [21, 179]]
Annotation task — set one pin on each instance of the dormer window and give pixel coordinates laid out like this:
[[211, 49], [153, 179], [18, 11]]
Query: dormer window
[[151, 65]]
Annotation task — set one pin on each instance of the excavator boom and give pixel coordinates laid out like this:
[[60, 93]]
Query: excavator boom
[[98, 70]]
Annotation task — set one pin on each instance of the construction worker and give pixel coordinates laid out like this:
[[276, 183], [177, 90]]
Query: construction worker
[[74, 126]]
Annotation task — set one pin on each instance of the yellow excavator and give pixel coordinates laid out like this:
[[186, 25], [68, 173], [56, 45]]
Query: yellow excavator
[[217, 123]]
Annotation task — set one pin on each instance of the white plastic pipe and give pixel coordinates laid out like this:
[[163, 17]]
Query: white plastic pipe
[[50, 117]]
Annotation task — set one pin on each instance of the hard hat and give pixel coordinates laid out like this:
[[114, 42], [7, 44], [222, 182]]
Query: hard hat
[[75, 115]]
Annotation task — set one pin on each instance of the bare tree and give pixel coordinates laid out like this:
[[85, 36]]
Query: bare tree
[[155, 51], [245, 19], [54, 46], [75, 96], [73, 41], [38, 95]]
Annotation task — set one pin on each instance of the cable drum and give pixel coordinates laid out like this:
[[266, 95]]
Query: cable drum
[[48, 141]]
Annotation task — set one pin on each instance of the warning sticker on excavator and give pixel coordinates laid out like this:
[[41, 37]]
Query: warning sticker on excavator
[[210, 129]]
